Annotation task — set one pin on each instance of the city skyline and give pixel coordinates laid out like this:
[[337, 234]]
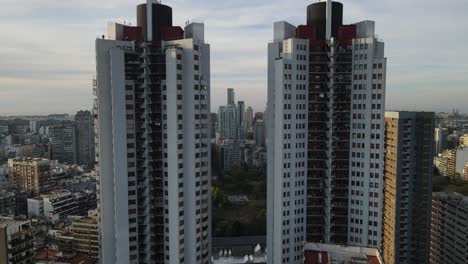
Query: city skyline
[[238, 131], [51, 33]]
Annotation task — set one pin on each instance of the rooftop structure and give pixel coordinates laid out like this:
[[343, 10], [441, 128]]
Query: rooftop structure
[[316, 253]]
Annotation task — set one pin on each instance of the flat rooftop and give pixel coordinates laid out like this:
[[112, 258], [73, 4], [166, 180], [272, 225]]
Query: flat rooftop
[[316, 253]]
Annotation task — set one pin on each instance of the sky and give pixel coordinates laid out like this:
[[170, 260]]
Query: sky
[[47, 60]]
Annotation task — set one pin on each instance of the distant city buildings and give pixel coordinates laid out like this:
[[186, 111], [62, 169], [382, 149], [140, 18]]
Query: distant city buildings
[[326, 101], [228, 118], [235, 121], [16, 241], [451, 163], [33, 126], [408, 186], [449, 228], [239, 135], [63, 143]]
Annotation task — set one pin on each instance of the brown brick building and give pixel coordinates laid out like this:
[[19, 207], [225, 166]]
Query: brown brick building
[[408, 186]]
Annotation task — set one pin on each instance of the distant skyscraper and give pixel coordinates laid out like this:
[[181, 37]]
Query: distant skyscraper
[[84, 128], [221, 119], [440, 138], [33, 126], [213, 124], [248, 118], [228, 119], [63, 143], [240, 119], [408, 186], [230, 154], [326, 96], [259, 132], [230, 96], [152, 107], [449, 228]]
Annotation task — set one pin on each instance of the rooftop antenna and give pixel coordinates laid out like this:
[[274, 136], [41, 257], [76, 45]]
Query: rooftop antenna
[[149, 19], [329, 19]]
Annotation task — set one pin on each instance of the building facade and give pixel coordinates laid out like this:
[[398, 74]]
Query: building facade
[[84, 131], [449, 228], [153, 126], [408, 186], [230, 154], [86, 237], [287, 156], [248, 119], [55, 206], [63, 143], [228, 117], [16, 241], [259, 132], [230, 96], [28, 174], [241, 121], [465, 172], [7, 203], [326, 100], [213, 124], [446, 163]]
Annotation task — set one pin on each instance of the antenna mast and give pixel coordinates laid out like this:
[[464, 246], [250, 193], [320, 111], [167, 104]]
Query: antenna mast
[[329, 19]]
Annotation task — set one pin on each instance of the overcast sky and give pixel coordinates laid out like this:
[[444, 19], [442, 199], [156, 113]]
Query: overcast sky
[[47, 48]]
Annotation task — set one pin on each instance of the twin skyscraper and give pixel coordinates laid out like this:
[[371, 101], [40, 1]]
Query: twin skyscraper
[[153, 140], [325, 137]]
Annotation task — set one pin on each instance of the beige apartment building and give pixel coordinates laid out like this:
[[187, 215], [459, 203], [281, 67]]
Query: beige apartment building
[[28, 174]]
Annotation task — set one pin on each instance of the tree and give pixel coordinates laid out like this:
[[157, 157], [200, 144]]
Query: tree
[[218, 196], [260, 220]]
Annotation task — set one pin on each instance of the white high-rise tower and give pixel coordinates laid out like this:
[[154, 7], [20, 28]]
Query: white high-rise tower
[[152, 119], [326, 97]]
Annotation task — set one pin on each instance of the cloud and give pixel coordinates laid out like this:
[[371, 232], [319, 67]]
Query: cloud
[[47, 52]]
